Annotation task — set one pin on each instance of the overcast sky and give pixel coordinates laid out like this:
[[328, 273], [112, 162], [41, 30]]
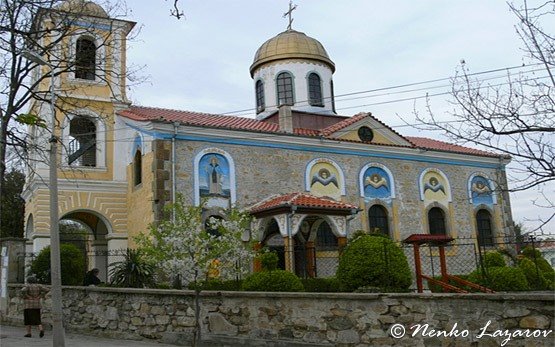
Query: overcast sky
[[202, 63]]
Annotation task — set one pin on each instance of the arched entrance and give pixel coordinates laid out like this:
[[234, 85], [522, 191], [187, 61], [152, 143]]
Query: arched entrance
[[274, 242], [87, 231]]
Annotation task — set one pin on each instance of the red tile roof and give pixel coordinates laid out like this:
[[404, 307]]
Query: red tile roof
[[140, 113], [300, 200], [425, 143]]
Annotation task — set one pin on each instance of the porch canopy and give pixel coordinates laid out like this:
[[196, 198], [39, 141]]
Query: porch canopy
[[302, 224]]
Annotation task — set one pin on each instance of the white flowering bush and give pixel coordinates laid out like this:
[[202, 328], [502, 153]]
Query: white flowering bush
[[182, 246]]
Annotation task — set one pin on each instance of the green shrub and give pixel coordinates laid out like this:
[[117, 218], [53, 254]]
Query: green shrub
[[132, 272], [72, 262], [216, 284], [535, 256], [273, 281], [494, 258], [537, 279], [321, 285], [268, 260], [501, 279], [373, 261]]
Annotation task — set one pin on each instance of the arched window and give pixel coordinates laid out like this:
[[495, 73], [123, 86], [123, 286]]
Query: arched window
[[82, 144], [325, 239], [332, 97], [436, 221], [85, 59], [137, 168], [485, 231], [314, 90], [285, 89], [377, 219], [260, 105]]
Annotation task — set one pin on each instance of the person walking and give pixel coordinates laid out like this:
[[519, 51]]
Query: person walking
[[32, 293]]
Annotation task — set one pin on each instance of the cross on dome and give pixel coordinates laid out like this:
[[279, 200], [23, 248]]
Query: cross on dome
[[288, 14]]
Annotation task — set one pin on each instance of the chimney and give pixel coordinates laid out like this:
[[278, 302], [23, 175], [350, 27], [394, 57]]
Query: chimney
[[285, 118]]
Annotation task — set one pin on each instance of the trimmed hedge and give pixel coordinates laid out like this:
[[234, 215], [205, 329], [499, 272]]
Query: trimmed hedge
[[501, 279], [494, 258], [273, 281], [268, 260], [321, 285], [72, 263], [373, 261], [216, 284]]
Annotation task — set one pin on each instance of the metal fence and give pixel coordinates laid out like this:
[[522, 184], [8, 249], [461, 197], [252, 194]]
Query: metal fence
[[102, 260], [463, 256]]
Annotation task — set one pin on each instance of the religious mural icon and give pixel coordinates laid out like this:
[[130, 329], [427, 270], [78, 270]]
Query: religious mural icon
[[434, 185], [325, 181], [376, 183], [325, 177], [214, 176], [480, 191]]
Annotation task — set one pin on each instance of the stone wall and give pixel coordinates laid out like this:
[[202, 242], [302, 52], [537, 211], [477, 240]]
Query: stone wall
[[301, 319], [261, 172]]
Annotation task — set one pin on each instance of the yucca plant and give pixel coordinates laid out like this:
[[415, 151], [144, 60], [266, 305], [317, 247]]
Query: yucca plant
[[132, 272]]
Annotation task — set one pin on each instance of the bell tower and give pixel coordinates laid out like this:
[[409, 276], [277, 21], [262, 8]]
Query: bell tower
[[85, 51]]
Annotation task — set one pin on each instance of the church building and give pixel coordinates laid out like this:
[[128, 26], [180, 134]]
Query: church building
[[309, 176]]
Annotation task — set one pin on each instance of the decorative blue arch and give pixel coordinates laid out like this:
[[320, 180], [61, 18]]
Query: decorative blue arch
[[376, 182], [481, 190], [218, 162]]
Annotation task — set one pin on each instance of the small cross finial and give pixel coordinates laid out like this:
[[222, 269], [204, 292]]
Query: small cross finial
[[288, 13]]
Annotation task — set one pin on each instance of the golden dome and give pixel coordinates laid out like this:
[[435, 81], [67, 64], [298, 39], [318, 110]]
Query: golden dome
[[82, 7], [291, 44]]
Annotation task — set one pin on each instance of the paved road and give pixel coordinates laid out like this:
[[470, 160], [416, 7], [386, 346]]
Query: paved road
[[11, 336]]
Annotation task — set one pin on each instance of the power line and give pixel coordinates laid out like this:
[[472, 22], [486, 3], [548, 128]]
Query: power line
[[406, 85]]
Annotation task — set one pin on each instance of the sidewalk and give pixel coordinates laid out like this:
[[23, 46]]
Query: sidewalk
[[12, 336]]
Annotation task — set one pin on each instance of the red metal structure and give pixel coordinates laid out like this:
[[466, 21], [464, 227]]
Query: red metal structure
[[438, 241]]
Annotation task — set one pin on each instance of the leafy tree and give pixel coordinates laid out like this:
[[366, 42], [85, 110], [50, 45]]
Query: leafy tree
[[181, 245], [376, 261], [13, 206], [72, 263], [516, 118]]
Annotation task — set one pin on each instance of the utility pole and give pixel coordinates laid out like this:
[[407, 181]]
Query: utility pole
[[58, 338]]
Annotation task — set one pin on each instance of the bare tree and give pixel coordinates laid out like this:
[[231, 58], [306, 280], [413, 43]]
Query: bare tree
[[516, 118], [176, 10], [50, 28]]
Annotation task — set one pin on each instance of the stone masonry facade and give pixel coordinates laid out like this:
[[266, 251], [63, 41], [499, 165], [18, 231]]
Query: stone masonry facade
[[299, 319], [262, 172]]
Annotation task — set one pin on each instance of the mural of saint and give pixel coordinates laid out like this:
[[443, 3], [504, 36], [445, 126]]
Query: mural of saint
[[376, 183], [325, 181], [324, 177], [434, 187], [214, 175], [480, 191]]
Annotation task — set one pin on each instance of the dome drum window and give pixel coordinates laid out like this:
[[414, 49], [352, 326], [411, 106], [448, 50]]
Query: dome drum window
[[285, 89], [315, 90], [260, 102]]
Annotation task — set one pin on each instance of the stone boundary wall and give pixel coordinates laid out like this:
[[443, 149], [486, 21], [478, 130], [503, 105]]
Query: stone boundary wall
[[300, 319]]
